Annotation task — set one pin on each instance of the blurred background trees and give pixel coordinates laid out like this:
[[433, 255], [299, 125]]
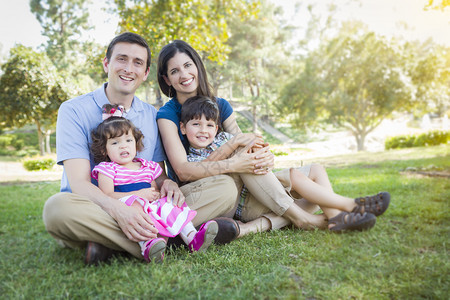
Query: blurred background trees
[[338, 73]]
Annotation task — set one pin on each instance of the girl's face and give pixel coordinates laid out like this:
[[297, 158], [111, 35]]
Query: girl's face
[[199, 132], [121, 149], [182, 74]]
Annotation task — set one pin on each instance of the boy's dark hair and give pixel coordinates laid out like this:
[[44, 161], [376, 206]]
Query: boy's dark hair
[[111, 128], [197, 106], [131, 38]]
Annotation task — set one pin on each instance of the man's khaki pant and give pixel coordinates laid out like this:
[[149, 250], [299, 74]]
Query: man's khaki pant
[[73, 220]]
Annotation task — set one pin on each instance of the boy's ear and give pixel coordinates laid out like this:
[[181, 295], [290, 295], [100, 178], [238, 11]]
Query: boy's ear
[[182, 128]]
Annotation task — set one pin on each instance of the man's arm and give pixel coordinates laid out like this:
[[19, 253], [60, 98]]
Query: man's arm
[[133, 221]]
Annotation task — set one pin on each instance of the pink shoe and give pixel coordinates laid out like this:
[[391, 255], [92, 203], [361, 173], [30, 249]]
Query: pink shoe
[[204, 237], [154, 250]]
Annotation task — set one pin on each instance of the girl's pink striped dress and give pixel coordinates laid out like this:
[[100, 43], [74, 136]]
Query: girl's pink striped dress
[[168, 219]]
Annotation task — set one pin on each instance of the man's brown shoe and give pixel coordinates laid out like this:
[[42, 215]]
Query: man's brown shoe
[[96, 253], [228, 230]]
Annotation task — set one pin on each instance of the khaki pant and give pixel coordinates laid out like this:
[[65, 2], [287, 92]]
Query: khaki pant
[[73, 220], [271, 193]]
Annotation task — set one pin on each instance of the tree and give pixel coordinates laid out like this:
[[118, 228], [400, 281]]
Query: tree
[[258, 55], [31, 91], [202, 24], [63, 22], [442, 4], [359, 80]]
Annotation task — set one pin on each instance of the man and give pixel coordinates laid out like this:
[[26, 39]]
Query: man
[[82, 215]]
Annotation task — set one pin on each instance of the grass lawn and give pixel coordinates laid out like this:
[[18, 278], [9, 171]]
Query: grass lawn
[[404, 256]]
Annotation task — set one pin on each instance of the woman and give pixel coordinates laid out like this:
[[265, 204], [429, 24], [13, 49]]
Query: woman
[[181, 75]]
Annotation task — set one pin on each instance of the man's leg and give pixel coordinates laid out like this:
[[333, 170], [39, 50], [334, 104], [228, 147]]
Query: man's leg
[[74, 220], [213, 198]]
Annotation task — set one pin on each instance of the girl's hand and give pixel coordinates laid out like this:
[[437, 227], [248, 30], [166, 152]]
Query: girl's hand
[[150, 194]]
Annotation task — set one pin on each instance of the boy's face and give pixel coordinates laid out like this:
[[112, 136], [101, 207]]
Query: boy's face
[[199, 132]]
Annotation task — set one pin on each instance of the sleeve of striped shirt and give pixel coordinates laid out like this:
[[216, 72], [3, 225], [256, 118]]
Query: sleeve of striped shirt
[[105, 168]]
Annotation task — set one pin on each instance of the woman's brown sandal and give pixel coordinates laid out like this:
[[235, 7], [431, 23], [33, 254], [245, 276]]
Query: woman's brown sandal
[[376, 204], [352, 221]]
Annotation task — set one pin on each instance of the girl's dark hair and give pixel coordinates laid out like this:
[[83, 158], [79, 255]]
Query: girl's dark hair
[[111, 128], [169, 51], [131, 38], [197, 106]]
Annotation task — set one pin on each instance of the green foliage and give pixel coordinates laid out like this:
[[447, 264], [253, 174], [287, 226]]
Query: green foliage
[[356, 79], [38, 164], [431, 138], [405, 256], [63, 22], [31, 91], [11, 140], [5, 141]]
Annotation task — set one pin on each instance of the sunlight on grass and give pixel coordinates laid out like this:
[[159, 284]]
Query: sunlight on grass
[[404, 256]]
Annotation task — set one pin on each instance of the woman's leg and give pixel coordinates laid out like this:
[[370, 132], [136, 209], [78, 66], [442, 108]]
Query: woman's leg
[[321, 194]]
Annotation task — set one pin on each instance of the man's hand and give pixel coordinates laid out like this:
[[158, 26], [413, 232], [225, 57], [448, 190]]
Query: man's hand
[[134, 222], [173, 193]]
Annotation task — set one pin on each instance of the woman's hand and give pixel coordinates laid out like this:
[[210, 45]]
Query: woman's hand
[[266, 160], [260, 161], [244, 139]]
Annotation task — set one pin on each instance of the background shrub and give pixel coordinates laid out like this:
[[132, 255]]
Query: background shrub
[[38, 164], [431, 138]]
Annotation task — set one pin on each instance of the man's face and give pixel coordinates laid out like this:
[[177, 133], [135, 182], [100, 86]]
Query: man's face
[[126, 69]]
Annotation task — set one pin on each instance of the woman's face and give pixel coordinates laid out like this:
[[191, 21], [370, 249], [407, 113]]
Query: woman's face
[[182, 75]]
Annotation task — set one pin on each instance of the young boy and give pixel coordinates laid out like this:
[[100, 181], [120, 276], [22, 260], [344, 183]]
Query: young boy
[[199, 122]]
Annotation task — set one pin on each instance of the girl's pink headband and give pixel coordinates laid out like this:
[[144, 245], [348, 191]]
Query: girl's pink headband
[[113, 112]]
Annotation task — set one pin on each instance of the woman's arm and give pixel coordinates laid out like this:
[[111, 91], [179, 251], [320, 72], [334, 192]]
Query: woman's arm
[[190, 171]]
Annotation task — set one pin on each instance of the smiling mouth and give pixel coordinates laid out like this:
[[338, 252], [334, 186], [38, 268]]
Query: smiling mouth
[[125, 78], [187, 82]]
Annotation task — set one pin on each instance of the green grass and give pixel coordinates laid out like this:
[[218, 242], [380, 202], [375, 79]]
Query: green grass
[[404, 256]]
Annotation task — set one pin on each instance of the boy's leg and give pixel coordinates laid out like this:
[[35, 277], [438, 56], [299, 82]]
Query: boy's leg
[[269, 195], [74, 220]]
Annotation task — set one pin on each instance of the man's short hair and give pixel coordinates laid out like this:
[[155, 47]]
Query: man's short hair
[[131, 38]]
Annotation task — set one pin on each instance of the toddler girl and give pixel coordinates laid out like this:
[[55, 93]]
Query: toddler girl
[[121, 175]]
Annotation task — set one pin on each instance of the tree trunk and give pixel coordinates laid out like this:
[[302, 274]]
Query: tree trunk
[[40, 138], [360, 139], [159, 100], [47, 141], [255, 120]]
